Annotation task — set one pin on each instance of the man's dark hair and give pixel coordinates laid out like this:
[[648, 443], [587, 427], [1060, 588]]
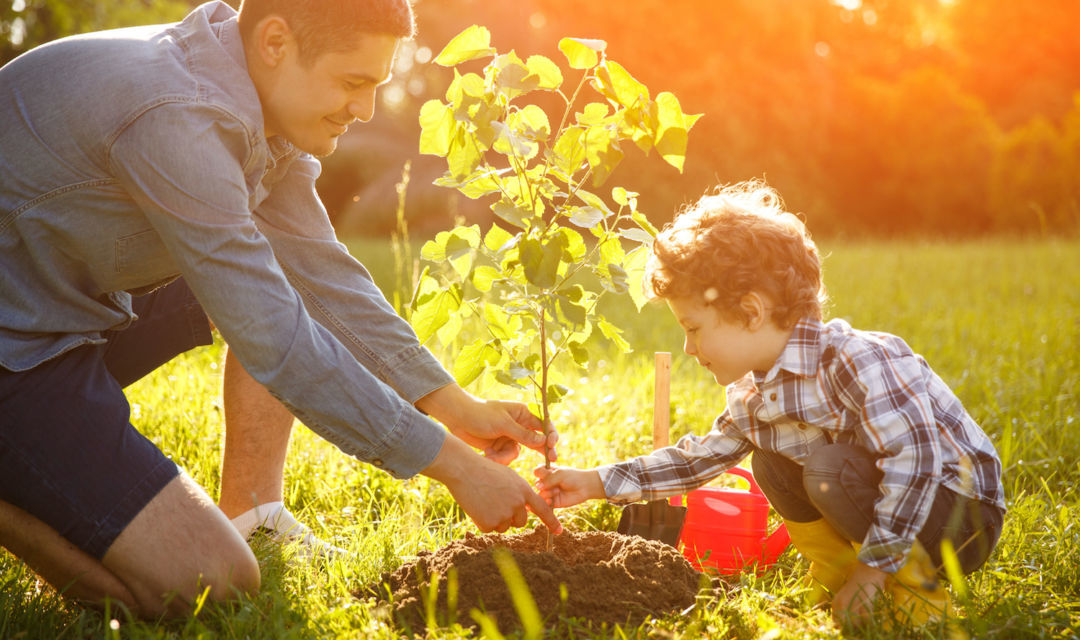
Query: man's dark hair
[[322, 26]]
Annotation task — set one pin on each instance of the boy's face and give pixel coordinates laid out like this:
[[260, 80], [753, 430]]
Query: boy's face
[[728, 349], [312, 102]]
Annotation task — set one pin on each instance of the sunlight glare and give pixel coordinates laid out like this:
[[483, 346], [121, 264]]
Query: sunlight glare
[[18, 5], [850, 5]]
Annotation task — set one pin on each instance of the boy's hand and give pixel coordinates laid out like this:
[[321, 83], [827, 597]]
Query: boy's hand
[[566, 487], [854, 602]]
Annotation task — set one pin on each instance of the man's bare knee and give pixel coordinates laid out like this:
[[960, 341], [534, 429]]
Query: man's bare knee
[[179, 545]]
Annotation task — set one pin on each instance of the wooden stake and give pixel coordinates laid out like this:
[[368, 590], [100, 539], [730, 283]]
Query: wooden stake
[[661, 425]]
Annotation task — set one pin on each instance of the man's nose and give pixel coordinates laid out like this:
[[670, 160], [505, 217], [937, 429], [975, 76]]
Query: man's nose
[[362, 106]]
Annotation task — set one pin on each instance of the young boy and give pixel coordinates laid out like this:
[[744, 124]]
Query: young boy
[[863, 450]]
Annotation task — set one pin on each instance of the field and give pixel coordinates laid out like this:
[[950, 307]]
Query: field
[[998, 319]]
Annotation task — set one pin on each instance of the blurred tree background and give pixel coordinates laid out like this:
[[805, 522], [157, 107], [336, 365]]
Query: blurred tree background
[[873, 117]]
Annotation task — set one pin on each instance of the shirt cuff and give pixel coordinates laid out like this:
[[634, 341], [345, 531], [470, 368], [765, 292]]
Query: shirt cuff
[[414, 373], [620, 482], [884, 550], [410, 447]]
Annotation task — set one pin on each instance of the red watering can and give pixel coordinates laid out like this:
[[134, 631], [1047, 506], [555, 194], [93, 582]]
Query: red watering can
[[726, 530]]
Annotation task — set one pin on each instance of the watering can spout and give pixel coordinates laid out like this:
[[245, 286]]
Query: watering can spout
[[775, 544]]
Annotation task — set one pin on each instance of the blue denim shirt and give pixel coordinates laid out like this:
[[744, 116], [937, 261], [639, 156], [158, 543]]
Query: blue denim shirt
[[132, 156]]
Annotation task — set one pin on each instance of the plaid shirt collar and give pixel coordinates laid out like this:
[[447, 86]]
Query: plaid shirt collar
[[801, 355]]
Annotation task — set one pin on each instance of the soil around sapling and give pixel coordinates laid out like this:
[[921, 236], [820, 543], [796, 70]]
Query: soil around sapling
[[609, 578]]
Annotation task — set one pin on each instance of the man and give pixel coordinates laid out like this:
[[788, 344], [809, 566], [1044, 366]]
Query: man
[[131, 157]]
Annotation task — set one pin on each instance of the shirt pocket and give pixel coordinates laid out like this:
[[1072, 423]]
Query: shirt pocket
[[142, 260]]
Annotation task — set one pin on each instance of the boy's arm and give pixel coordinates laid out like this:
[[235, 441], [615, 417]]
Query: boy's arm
[[896, 422], [684, 466]]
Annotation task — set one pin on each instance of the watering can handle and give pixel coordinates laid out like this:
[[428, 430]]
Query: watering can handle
[[745, 474]]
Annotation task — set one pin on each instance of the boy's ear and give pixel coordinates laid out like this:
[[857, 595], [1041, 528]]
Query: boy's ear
[[757, 312]]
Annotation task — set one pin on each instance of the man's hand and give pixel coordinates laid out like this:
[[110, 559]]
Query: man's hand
[[497, 427], [854, 602], [563, 487], [492, 495]]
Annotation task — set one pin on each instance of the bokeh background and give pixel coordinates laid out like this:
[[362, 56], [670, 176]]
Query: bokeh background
[[942, 118]]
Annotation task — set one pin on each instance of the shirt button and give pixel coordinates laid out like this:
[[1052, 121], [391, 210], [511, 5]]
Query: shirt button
[[772, 397], [377, 462]]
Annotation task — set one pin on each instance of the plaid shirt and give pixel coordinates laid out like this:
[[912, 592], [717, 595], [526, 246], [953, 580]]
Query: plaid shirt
[[833, 383]]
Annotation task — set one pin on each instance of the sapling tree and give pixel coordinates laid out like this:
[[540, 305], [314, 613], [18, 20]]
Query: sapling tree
[[525, 291]]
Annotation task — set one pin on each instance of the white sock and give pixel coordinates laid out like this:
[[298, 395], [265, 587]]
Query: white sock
[[271, 515]]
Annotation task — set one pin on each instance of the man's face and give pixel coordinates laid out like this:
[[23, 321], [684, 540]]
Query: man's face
[[312, 102]]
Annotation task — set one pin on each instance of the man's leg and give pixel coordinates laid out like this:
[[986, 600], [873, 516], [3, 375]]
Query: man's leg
[[178, 545], [257, 429]]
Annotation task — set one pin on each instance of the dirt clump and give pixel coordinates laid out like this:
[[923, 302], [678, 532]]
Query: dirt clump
[[608, 577]]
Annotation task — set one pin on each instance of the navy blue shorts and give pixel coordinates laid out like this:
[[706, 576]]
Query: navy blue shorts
[[68, 452]]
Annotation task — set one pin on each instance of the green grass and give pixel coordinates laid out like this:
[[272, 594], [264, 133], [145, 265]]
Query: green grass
[[999, 320]]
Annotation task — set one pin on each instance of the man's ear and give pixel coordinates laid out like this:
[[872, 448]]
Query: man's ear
[[756, 310], [273, 39]]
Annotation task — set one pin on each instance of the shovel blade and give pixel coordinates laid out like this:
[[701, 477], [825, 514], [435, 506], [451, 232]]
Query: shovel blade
[[655, 520]]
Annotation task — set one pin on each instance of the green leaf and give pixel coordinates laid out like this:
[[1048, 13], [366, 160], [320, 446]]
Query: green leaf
[[426, 288], [672, 129], [433, 314], [513, 78], [623, 198], [497, 322], [636, 235], [472, 43], [612, 277], [449, 331], [644, 223], [509, 143], [473, 359], [541, 261], [613, 81], [587, 217], [477, 185], [570, 311], [530, 121], [436, 128], [579, 353], [547, 73], [635, 275], [512, 213], [613, 333], [496, 238], [581, 53], [575, 244], [484, 276], [593, 200], [593, 115], [556, 392], [569, 152], [602, 152], [463, 157], [611, 251]]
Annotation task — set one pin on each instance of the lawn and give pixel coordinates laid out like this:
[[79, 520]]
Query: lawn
[[998, 319]]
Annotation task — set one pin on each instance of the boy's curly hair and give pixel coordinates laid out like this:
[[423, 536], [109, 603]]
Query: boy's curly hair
[[736, 240]]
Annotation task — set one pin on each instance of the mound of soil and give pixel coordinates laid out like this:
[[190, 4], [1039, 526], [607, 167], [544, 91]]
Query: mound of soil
[[608, 577]]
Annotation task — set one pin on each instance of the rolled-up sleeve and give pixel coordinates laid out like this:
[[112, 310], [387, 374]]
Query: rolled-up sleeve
[[185, 166], [338, 291]]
